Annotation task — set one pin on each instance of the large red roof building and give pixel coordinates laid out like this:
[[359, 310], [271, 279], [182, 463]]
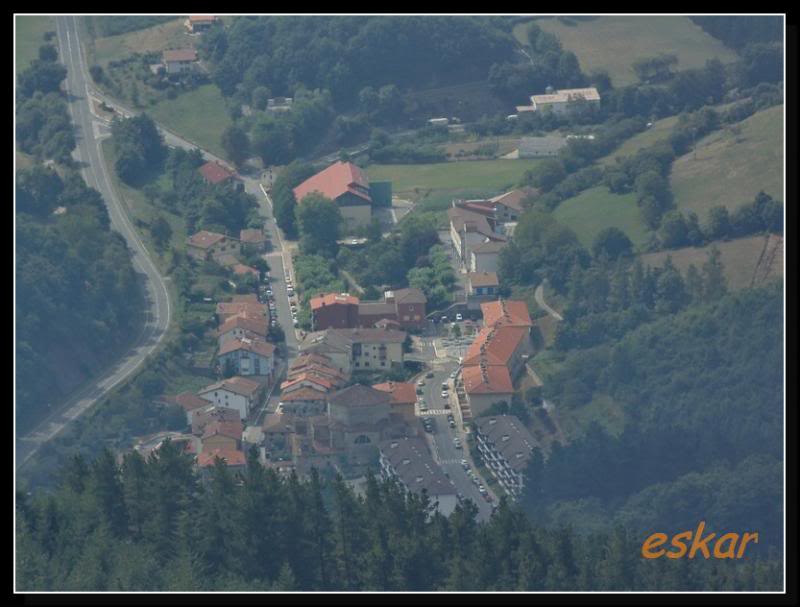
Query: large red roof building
[[346, 185]]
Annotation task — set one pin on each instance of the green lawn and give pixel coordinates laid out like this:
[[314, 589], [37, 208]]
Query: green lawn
[[596, 209], [479, 174], [24, 161], [732, 167], [30, 31], [614, 43], [199, 116], [171, 34]]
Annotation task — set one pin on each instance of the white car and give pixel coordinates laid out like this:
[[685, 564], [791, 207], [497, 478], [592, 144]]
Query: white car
[[421, 382], [445, 394], [295, 322], [465, 464], [459, 317]]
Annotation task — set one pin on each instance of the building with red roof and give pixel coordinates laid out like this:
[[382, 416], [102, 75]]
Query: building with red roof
[[234, 459], [506, 312], [248, 356], [200, 23], [242, 325], [177, 61], [404, 398], [346, 185], [210, 245], [215, 173], [333, 311]]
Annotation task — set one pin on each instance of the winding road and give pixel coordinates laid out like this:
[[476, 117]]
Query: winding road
[[158, 313]]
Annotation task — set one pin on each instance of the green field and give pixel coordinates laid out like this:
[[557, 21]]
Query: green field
[[739, 257], [596, 209], [658, 132], [199, 116], [416, 179], [29, 37], [732, 165], [614, 43], [171, 34], [24, 161]]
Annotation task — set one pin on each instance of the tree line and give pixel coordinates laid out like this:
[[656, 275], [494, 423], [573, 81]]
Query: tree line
[[149, 524]]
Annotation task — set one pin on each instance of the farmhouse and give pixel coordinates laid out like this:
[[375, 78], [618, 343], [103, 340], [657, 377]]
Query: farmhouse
[[200, 23], [210, 245], [179, 61], [562, 101], [215, 173], [347, 186]]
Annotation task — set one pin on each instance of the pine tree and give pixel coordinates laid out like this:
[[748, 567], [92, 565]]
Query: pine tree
[[694, 284], [714, 282], [106, 489]]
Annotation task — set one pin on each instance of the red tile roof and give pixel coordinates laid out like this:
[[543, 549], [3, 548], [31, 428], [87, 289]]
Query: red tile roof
[[256, 346], [190, 401], [205, 239], [181, 55], [329, 299], [483, 279], [314, 379], [402, 392], [337, 179], [506, 312], [231, 457], [494, 379], [514, 198], [227, 309], [236, 384], [303, 394], [201, 18], [255, 324], [231, 429], [495, 345], [215, 173]]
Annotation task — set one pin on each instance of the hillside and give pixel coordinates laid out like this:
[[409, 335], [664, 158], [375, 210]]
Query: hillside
[[732, 165], [614, 43], [751, 261], [595, 209]]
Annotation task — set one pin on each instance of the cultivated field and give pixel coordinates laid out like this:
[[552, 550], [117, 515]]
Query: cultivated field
[[198, 115], [30, 31], [171, 34], [596, 209], [750, 261], [732, 165], [614, 43]]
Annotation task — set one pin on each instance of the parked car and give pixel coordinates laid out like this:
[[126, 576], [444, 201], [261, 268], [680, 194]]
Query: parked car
[[459, 317], [421, 382], [429, 374], [295, 322], [420, 391], [447, 405], [445, 394], [488, 496], [452, 424], [465, 464]]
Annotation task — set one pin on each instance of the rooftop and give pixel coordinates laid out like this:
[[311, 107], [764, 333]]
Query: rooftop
[[566, 95], [240, 268], [489, 246], [236, 384], [506, 312], [359, 395], [205, 239], [410, 295], [201, 18], [255, 324], [463, 219], [181, 55], [228, 428], [510, 437], [483, 279], [514, 198], [303, 394], [329, 299], [257, 346], [402, 392], [494, 345], [414, 466], [215, 173], [492, 379], [231, 457], [339, 178]]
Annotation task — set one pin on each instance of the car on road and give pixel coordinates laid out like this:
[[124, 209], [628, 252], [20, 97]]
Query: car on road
[[447, 405], [465, 464], [295, 322], [445, 394], [451, 423], [273, 322], [423, 407], [429, 374], [457, 442], [459, 317], [481, 489], [293, 308], [420, 391], [421, 382], [454, 374], [269, 292], [488, 496]]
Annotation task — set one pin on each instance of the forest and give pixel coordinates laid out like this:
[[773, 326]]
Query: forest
[[152, 525], [77, 291]]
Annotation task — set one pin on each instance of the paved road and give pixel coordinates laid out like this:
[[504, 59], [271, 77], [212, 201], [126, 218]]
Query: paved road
[[444, 452], [538, 295], [95, 173]]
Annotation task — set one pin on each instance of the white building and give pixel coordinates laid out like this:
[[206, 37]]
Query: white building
[[234, 393], [181, 60], [562, 101]]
